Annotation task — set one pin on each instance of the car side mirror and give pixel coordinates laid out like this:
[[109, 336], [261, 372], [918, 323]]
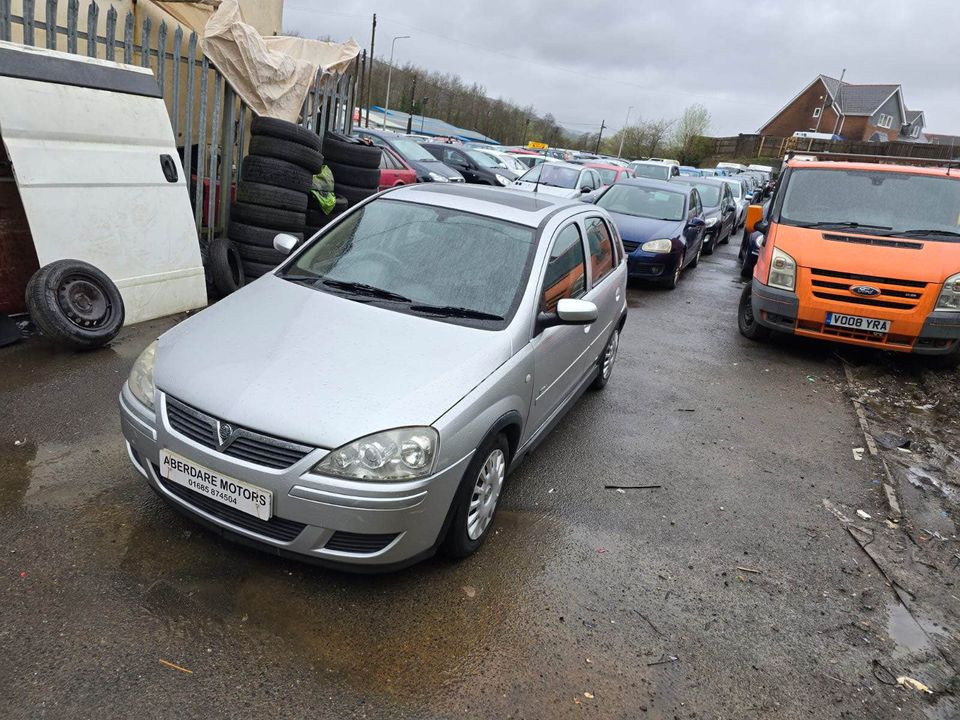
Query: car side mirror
[[754, 218], [696, 222], [585, 189], [284, 243], [570, 311]]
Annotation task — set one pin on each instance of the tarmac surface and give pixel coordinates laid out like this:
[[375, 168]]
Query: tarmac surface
[[729, 591]]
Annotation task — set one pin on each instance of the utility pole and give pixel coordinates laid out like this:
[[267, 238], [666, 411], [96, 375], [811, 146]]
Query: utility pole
[[363, 84], [526, 128], [603, 124], [839, 106], [386, 106], [413, 95], [623, 133], [373, 37], [423, 107]]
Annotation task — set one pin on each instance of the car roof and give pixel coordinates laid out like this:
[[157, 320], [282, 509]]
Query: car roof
[[602, 166], [669, 185], [516, 206], [699, 180], [649, 162], [562, 164]]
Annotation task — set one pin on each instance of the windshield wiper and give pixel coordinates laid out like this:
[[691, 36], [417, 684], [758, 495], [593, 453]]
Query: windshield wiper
[[921, 233], [359, 288], [454, 311], [839, 225], [310, 280]]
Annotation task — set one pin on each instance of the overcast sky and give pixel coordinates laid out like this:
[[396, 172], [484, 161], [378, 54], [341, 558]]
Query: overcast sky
[[589, 60]]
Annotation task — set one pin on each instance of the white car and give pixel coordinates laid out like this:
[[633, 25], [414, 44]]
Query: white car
[[506, 160], [738, 188], [560, 179]]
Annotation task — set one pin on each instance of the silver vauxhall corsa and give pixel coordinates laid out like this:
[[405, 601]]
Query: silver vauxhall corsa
[[362, 404]]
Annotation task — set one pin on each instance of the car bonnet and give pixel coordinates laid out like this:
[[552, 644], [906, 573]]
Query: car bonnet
[[317, 368]]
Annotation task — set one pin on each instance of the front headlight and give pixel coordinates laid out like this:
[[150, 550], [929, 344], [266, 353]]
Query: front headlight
[[437, 177], [950, 295], [711, 221], [783, 271], [400, 454], [141, 376], [657, 246], [501, 179]]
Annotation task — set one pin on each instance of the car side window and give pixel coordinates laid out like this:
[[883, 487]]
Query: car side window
[[387, 162], [566, 275], [600, 244], [695, 202]]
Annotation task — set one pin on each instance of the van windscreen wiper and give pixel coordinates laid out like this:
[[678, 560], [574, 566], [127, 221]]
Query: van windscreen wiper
[[836, 225], [922, 233]]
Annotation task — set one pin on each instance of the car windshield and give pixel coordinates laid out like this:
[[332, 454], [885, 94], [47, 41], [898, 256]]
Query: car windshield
[[657, 172], [607, 176], [709, 194], [482, 159], [643, 202], [735, 188], [422, 256], [895, 201], [552, 175], [411, 149]]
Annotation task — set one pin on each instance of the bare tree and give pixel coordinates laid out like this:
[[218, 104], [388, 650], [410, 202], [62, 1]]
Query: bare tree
[[694, 123]]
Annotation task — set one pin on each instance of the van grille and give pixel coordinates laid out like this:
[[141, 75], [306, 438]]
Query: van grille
[[894, 293], [875, 241], [248, 445]]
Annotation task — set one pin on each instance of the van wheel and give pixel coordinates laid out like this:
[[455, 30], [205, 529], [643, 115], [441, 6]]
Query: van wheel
[[749, 327], [75, 304], [475, 504]]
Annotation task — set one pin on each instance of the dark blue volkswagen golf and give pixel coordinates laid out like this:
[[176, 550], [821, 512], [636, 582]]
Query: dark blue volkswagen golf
[[661, 224]]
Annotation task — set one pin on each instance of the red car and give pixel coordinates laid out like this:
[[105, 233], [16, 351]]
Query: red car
[[394, 170], [609, 173]]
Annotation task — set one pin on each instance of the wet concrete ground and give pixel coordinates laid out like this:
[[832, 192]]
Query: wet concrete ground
[[728, 592]]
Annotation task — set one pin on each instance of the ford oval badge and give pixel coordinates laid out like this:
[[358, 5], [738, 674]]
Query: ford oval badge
[[865, 290]]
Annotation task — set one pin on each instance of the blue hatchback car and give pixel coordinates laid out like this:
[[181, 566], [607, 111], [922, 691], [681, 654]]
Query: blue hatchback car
[[661, 223]]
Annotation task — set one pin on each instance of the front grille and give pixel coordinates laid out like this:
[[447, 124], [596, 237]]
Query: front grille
[[275, 528], [247, 444], [895, 294], [874, 241], [359, 543], [630, 246]]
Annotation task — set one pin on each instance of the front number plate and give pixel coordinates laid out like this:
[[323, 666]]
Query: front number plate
[[855, 322], [245, 497]]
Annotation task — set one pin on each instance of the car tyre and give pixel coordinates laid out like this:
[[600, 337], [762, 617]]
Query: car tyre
[[284, 130], [357, 177], [709, 245], [270, 171], [671, 282], [292, 152], [260, 254], [354, 195], [475, 504], [747, 323], [255, 235], [272, 196], [226, 266], [606, 360], [256, 269], [282, 220], [75, 304], [696, 258], [345, 151]]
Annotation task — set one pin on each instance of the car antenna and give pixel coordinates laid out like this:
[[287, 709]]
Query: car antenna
[[536, 185]]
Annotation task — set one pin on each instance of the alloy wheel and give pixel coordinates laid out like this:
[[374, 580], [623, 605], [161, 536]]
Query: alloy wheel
[[610, 355], [486, 493]]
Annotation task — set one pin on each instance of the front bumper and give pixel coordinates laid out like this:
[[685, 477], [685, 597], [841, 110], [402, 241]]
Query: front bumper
[[350, 515], [780, 310], [652, 266]]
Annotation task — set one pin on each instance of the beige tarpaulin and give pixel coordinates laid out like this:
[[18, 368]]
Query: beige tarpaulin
[[272, 74]]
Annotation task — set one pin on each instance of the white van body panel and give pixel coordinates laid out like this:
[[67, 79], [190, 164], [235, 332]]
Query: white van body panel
[[87, 165]]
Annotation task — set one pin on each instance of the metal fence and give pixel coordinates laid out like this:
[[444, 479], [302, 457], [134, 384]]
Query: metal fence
[[208, 118]]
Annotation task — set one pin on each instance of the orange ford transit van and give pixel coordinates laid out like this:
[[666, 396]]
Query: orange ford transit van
[[859, 253]]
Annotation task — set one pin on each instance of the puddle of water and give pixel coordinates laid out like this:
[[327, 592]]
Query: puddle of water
[[905, 631]]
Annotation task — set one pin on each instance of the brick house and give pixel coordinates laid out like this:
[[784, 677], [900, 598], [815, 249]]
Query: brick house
[[872, 113]]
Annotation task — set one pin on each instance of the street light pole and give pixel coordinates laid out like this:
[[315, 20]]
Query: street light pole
[[623, 133], [386, 107]]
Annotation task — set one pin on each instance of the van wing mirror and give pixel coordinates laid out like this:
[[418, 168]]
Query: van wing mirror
[[754, 217]]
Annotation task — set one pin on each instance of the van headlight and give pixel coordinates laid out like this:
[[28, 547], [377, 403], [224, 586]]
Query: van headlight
[[950, 295], [783, 271], [400, 454], [657, 246], [141, 376]]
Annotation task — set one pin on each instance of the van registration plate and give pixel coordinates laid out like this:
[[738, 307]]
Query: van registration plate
[[855, 322]]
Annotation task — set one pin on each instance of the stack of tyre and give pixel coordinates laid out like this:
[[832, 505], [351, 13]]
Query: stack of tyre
[[355, 167], [275, 181]]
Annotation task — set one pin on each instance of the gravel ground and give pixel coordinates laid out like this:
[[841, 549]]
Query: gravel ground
[[731, 591]]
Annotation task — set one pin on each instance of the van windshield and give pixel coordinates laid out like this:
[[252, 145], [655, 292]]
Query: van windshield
[[891, 202]]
